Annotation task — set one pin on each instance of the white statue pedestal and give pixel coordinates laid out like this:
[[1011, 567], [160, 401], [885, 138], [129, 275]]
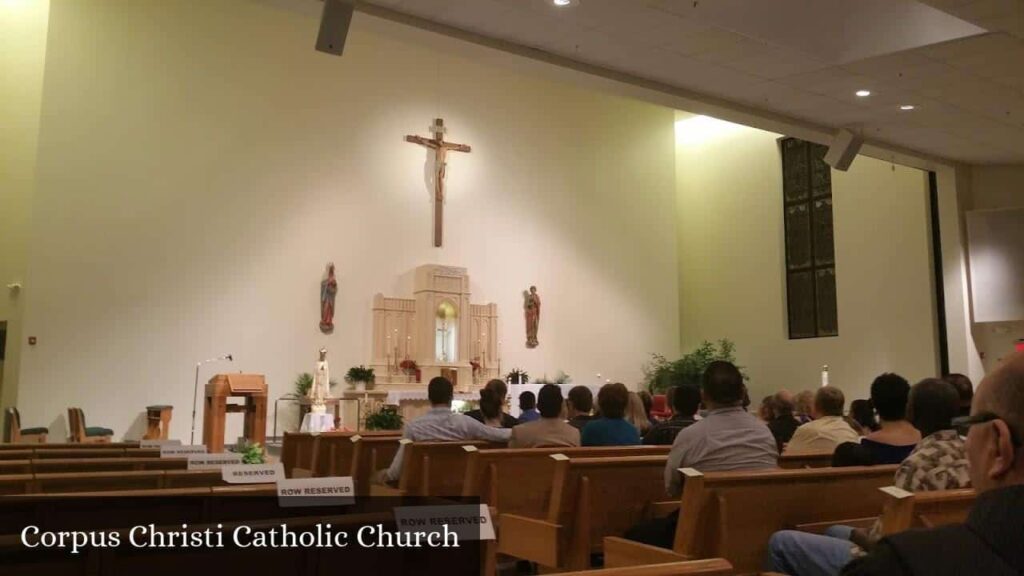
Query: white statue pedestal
[[317, 422]]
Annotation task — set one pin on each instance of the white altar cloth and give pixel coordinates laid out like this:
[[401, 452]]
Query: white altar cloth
[[316, 423]]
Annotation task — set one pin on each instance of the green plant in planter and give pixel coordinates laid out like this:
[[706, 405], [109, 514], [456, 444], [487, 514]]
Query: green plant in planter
[[387, 418], [252, 453], [360, 374], [517, 376], [304, 382], [661, 374]]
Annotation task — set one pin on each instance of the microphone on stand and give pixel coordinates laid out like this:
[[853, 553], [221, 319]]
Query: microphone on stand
[[195, 390]]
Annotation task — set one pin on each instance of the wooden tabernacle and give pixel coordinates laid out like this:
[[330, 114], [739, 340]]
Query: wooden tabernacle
[[252, 387]]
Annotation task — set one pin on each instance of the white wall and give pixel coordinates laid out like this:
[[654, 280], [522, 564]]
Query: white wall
[[22, 56], [200, 162], [731, 271]]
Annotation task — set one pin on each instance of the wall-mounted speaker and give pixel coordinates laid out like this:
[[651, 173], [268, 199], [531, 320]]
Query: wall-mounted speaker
[[334, 22], [843, 150]]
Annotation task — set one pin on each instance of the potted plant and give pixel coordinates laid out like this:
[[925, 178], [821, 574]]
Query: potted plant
[[252, 453], [360, 377], [386, 418], [517, 376], [661, 374]]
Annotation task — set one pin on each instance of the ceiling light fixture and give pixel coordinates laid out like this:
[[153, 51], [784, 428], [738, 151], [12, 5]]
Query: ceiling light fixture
[[562, 2], [907, 107], [863, 93]]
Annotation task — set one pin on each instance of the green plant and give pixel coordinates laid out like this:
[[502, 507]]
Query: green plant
[[660, 374], [304, 382], [517, 376], [252, 453], [387, 418], [360, 374]]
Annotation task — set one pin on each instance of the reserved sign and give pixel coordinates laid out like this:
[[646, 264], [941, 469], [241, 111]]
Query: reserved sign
[[178, 451], [158, 443], [468, 521], [252, 473], [212, 461], [331, 491]]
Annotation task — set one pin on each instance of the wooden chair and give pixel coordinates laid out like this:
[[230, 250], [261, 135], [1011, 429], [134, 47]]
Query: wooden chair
[[370, 454], [86, 434], [710, 567], [590, 498], [732, 515], [518, 480], [905, 510], [15, 434], [158, 422]]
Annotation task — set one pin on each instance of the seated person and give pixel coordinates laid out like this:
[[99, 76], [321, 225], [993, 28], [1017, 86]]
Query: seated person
[[804, 402], [648, 402], [685, 402], [440, 424], [783, 423], [937, 463], [578, 406], [863, 413], [550, 429], [528, 407], [828, 429], [964, 388], [895, 438], [611, 429], [727, 438], [491, 409], [636, 414], [989, 542]]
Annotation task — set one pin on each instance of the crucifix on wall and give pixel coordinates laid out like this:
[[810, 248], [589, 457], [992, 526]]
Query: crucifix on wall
[[440, 148]]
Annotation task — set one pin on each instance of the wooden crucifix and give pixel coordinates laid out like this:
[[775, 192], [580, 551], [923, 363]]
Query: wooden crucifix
[[440, 148]]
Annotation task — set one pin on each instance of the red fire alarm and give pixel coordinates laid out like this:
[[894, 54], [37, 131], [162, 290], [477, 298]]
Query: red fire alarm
[[1020, 345], [31, 340]]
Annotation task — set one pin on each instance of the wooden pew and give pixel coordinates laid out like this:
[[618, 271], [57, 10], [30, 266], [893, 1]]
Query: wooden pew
[[798, 460], [15, 467], [733, 514], [105, 464], [93, 481], [80, 453], [370, 454], [333, 452], [69, 445], [297, 449], [23, 454], [590, 498], [710, 567], [15, 484], [191, 479], [905, 510], [436, 468], [527, 474]]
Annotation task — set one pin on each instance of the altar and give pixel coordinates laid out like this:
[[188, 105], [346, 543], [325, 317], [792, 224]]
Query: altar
[[437, 332]]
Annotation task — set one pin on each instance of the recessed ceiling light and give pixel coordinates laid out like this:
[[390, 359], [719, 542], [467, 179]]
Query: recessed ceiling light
[[863, 93], [907, 107], [562, 2]]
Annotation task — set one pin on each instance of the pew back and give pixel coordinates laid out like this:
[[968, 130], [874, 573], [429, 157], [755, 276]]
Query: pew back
[[798, 460], [370, 454], [905, 510], [297, 450], [435, 468]]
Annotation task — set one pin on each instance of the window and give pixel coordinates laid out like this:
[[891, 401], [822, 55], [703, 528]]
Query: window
[[810, 246]]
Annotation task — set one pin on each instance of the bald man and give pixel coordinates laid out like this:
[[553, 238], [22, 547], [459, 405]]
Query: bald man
[[990, 542]]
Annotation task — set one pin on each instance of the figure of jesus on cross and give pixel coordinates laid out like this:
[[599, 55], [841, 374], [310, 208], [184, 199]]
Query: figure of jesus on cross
[[440, 148]]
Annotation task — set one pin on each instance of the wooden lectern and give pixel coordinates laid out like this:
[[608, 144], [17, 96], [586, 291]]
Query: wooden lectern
[[252, 387]]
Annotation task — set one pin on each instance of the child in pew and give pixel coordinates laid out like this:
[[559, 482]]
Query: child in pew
[[938, 462], [727, 438]]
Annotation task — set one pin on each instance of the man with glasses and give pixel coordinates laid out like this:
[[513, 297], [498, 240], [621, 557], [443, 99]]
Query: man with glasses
[[991, 542]]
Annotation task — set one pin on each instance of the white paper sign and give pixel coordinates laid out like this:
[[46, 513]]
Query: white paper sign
[[181, 451], [252, 473], [467, 521], [158, 443], [212, 461], [331, 491]]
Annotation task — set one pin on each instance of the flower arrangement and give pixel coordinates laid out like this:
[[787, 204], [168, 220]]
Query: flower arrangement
[[475, 363], [409, 366]]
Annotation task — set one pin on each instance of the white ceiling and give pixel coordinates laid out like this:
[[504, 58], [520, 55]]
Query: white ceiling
[[968, 92]]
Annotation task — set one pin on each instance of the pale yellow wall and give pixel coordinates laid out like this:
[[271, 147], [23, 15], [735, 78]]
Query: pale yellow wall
[[200, 163], [23, 25], [732, 257]]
